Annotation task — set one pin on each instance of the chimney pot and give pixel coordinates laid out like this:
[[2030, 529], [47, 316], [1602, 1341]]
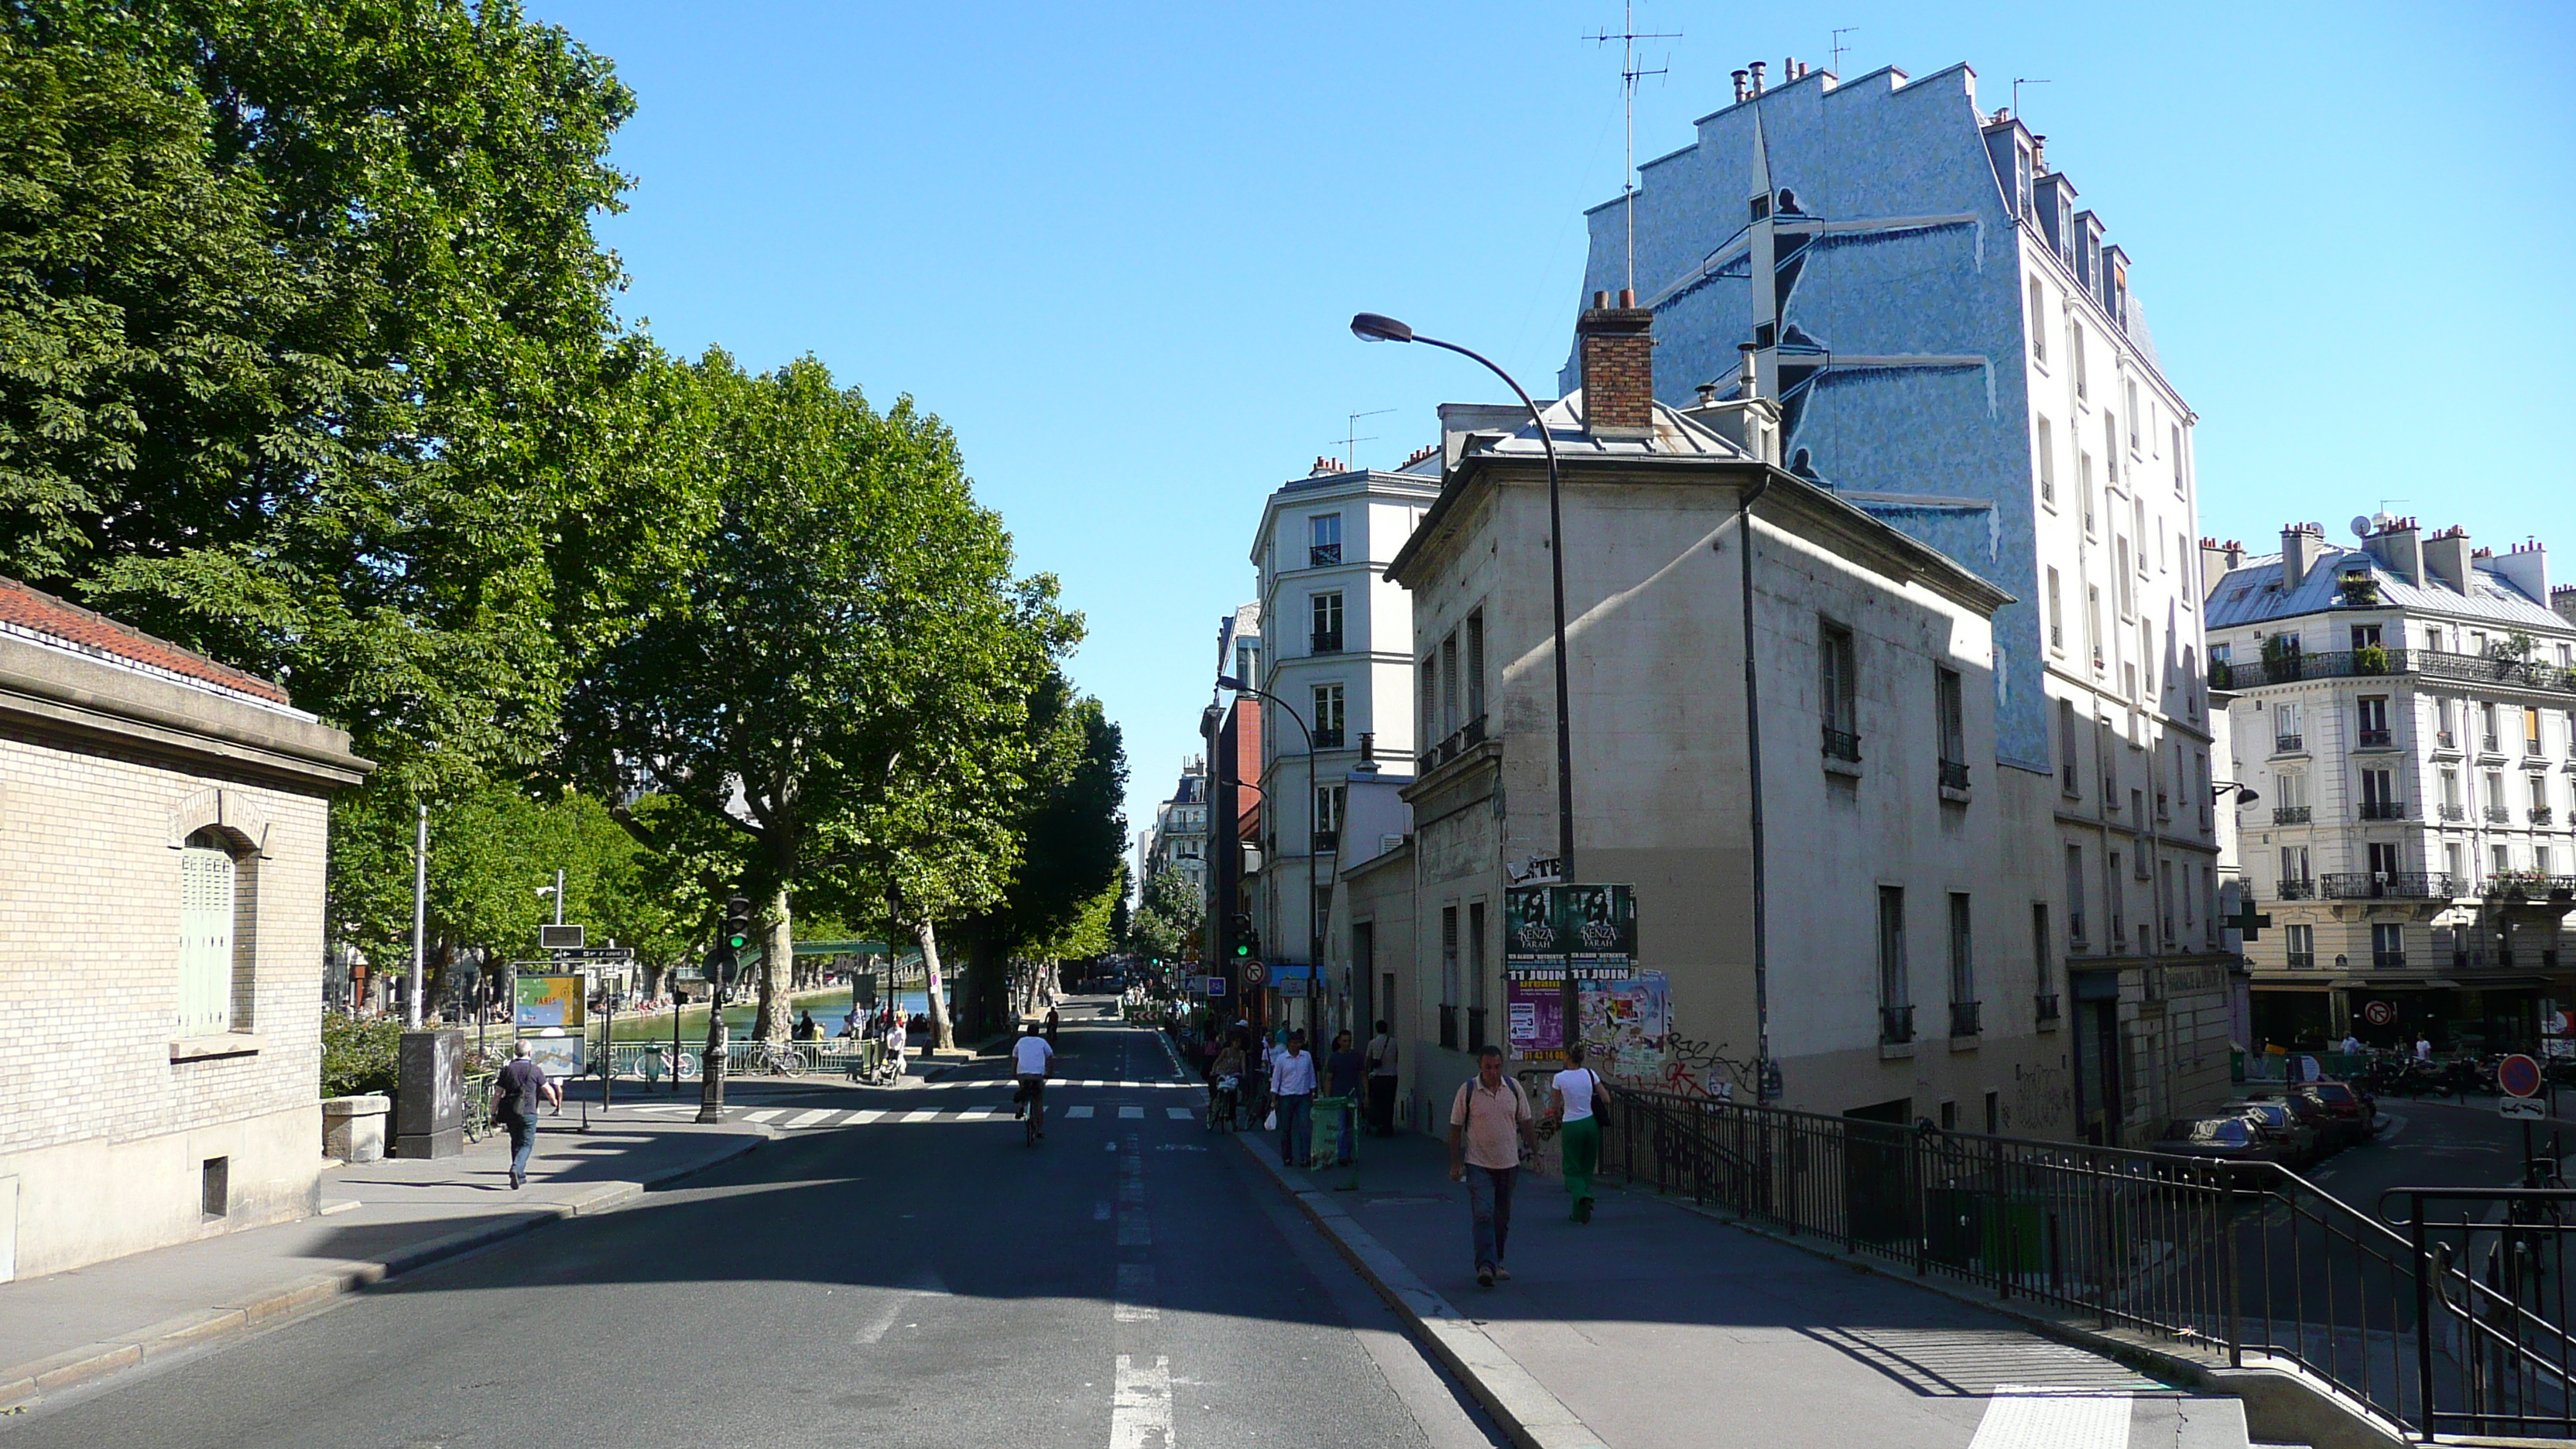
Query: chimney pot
[[1743, 92], [1627, 296], [1757, 68], [1600, 299]]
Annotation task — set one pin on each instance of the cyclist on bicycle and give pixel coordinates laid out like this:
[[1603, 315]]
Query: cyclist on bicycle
[[1030, 1058]]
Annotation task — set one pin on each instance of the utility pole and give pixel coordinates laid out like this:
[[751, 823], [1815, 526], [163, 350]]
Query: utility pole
[[419, 921]]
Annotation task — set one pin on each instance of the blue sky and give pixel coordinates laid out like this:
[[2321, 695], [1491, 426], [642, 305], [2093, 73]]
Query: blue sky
[[1116, 247]]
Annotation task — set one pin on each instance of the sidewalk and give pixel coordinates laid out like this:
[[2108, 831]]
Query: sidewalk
[[1654, 1326], [377, 1219]]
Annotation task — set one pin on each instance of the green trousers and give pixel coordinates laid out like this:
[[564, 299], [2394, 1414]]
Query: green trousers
[[1580, 1145]]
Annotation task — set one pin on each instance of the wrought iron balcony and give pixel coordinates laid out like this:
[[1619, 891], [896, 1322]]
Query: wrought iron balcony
[[2542, 815], [2378, 885], [1896, 1025], [1325, 641], [2299, 961], [2075, 928], [1954, 774], [2296, 890], [2445, 740], [1323, 555], [2499, 815], [2388, 960], [2288, 744], [2383, 809], [2528, 885], [2046, 1001], [2488, 745], [2375, 739], [2531, 747], [2455, 812], [2290, 814], [1842, 745], [1963, 1018], [1460, 740]]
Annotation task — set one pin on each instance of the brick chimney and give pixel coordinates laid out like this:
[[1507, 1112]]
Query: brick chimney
[[1618, 367]]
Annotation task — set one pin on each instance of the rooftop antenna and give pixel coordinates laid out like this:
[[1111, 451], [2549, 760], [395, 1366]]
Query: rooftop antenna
[[1350, 433], [1838, 48], [1628, 35], [2018, 82]]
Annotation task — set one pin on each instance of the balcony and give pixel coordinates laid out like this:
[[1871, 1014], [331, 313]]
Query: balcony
[[2531, 748], [2455, 812], [1324, 641], [2487, 745], [2296, 890], [1963, 1018], [2388, 960], [1323, 555], [2288, 744], [2376, 739], [2290, 814], [2542, 815], [2530, 885], [1448, 1026], [1895, 1025], [1954, 775], [1328, 737], [2499, 815], [2046, 1002], [1462, 739], [1327, 841], [1842, 745], [2383, 809], [2384, 885], [2445, 740], [2431, 663], [2299, 961], [1476, 1028]]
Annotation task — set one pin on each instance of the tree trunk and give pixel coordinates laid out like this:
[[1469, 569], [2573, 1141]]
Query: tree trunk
[[942, 1036], [777, 1015]]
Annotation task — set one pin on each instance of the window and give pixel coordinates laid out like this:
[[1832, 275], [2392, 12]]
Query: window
[[1324, 613], [2066, 739], [1963, 967], [2165, 900], [1476, 957], [2302, 944], [2451, 809], [2456, 857], [1328, 816], [2047, 464], [2531, 731], [2387, 945], [2056, 617], [2503, 860], [2093, 622], [2365, 636], [207, 916], [2042, 964], [2294, 869], [2075, 348], [2209, 904], [2120, 587], [2133, 416], [2038, 324], [1838, 690], [1323, 916], [2119, 904], [2075, 897], [2287, 734], [1952, 721], [2379, 796], [1449, 976], [1449, 720], [2084, 482], [2110, 447], [2373, 718], [1476, 665], [1896, 1016], [2293, 787], [2176, 436], [1327, 717], [1430, 709], [1323, 540]]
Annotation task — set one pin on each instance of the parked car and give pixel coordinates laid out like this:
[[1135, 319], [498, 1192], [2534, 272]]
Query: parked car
[[2353, 1111], [2300, 1141], [2225, 1138], [2333, 1135]]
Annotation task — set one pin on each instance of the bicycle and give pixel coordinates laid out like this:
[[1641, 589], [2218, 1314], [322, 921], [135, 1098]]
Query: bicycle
[[1224, 1105], [778, 1059], [1034, 1122]]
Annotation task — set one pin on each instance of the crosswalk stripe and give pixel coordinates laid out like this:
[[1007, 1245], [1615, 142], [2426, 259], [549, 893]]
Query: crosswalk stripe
[[926, 1114], [804, 1119], [765, 1116], [1131, 1114], [864, 1116], [977, 1114], [1179, 1114], [1076, 1113]]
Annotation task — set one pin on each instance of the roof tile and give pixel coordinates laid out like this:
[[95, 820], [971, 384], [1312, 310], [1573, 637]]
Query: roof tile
[[37, 612]]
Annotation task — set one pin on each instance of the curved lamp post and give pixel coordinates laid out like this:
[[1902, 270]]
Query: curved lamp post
[[1314, 928]]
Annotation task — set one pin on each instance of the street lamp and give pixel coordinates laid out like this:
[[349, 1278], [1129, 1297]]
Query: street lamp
[[1314, 927], [1373, 327], [2244, 793]]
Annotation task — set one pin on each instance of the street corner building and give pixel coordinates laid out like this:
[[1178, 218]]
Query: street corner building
[[164, 823]]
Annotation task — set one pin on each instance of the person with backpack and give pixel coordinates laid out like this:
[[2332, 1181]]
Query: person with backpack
[[1580, 1098], [516, 1096], [1489, 1127]]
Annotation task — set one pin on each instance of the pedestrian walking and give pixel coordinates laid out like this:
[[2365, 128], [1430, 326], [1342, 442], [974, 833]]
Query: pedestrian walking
[[1292, 1087], [2423, 1048], [1052, 1022], [895, 1041], [1381, 1081], [1580, 1096], [516, 1095], [1489, 1124], [1344, 1073]]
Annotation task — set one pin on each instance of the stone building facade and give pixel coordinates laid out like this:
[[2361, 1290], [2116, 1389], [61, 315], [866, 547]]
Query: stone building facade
[[164, 826]]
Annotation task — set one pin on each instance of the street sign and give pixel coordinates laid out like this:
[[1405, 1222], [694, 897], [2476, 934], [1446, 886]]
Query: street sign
[[1253, 973], [2530, 1109], [1216, 986], [2519, 1075], [2379, 1013], [559, 938], [597, 953]]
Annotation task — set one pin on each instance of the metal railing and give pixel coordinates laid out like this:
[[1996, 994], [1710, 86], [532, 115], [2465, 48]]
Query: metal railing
[[1842, 745], [2290, 814], [1963, 1018], [2383, 810], [1323, 555], [2288, 744], [1463, 738], [1328, 737], [2389, 885], [2295, 890], [1896, 1025], [2372, 739], [2542, 815], [2455, 812], [2228, 1264], [2388, 960], [651, 1060], [2302, 960], [2432, 663], [2445, 740], [1324, 642], [1954, 774], [2499, 815]]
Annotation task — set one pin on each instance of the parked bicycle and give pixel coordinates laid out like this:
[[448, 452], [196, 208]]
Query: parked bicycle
[[777, 1059]]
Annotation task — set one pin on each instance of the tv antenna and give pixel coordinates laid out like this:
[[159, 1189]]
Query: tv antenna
[[1838, 48], [1350, 433], [2018, 83], [1628, 35]]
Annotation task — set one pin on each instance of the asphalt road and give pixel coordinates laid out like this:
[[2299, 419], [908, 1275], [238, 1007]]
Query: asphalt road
[[1129, 1282]]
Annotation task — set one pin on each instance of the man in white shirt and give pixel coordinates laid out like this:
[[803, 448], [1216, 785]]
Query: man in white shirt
[[1292, 1083], [1030, 1058]]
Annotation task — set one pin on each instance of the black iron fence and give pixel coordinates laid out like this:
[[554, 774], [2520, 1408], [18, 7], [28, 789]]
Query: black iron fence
[[2435, 663], [2231, 1263]]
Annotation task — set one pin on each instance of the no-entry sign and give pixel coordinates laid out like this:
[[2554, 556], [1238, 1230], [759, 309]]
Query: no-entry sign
[[2519, 1075]]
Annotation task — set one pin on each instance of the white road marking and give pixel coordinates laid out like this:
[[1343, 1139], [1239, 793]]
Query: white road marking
[[2020, 1416], [1179, 1114], [1135, 1300], [923, 1284], [765, 1116], [1140, 1406], [1131, 1114], [804, 1119], [977, 1114], [864, 1116], [1135, 1230], [1075, 1114], [926, 1114]]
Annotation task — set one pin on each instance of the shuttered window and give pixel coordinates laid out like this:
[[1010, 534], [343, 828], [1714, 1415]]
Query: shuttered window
[[205, 941]]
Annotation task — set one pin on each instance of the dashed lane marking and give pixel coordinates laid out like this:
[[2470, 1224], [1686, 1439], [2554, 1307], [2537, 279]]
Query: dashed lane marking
[[1076, 1114], [1131, 1114], [1140, 1405], [1179, 1114]]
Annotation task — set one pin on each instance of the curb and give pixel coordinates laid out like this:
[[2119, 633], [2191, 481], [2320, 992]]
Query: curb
[[1529, 1416], [24, 1383]]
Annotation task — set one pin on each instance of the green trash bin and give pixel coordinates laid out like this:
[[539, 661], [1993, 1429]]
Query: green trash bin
[[1327, 1147]]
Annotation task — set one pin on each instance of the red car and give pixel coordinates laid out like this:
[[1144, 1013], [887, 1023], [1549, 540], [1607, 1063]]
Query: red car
[[2352, 1111]]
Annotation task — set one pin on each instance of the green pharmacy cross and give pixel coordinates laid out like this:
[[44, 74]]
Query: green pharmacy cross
[[2247, 922]]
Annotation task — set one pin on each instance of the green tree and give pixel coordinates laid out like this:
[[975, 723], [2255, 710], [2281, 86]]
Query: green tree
[[1170, 914], [830, 685]]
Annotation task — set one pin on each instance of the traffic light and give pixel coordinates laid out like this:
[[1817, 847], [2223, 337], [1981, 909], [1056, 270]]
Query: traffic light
[[737, 924], [1247, 938]]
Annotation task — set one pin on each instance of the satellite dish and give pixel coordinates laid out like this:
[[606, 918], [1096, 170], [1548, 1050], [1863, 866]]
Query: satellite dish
[[2361, 525]]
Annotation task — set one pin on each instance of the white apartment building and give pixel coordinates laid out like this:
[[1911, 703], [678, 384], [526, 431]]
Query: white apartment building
[[2406, 707], [1336, 670]]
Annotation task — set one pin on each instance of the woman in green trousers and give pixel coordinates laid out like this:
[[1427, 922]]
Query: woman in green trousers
[[1579, 1094]]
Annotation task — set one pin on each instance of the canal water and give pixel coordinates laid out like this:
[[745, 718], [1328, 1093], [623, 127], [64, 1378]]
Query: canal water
[[828, 1009]]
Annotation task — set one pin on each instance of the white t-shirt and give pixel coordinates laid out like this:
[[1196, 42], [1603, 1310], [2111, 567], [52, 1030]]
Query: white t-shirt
[[1030, 1055], [1574, 1090]]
